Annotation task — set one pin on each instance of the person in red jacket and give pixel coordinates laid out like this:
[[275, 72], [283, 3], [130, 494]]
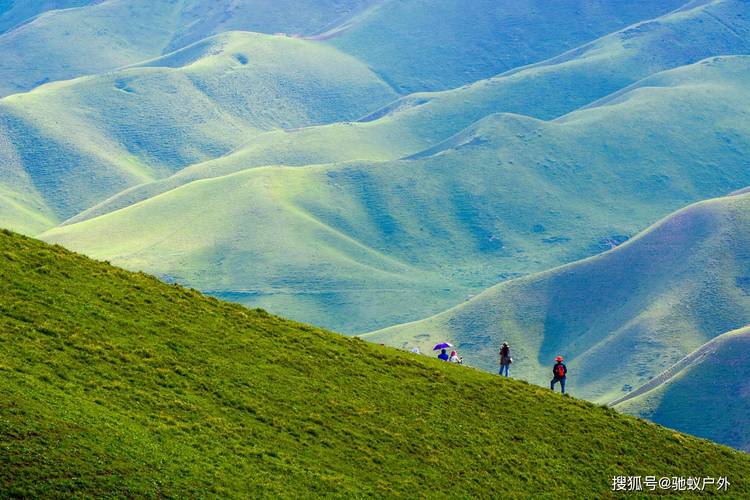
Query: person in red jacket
[[559, 374]]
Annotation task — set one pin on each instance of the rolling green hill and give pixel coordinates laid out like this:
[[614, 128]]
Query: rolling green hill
[[620, 318], [16, 12], [63, 44], [76, 143], [367, 245], [132, 128], [26, 212], [423, 45], [115, 384], [93, 39], [297, 18], [705, 394], [546, 90]]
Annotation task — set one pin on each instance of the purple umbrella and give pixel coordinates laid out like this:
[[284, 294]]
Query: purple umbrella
[[444, 345]]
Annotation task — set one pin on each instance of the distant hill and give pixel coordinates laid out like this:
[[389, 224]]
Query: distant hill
[[72, 144], [115, 384], [420, 45], [14, 12], [623, 317], [63, 44], [546, 90], [104, 36], [133, 127], [714, 381], [368, 244]]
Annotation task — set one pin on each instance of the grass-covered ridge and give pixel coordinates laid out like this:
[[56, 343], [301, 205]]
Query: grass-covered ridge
[[370, 244], [104, 35], [440, 44], [14, 13], [115, 383], [714, 378], [101, 36], [621, 318], [75, 143], [545, 90]]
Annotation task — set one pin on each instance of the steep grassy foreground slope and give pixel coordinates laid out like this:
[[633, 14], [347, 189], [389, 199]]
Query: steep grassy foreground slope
[[546, 90], [80, 141], [367, 245], [116, 384], [705, 394], [620, 318]]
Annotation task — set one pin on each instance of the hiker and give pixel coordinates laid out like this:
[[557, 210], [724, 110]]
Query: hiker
[[415, 350], [505, 359], [455, 358], [559, 372], [443, 355]]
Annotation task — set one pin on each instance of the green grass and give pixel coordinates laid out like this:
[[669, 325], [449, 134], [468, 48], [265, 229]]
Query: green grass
[[81, 141], [620, 318], [421, 45], [360, 245], [115, 384], [24, 211], [705, 394], [396, 38], [546, 90], [64, 44], [297, 18], [14, 13], [133, 128]]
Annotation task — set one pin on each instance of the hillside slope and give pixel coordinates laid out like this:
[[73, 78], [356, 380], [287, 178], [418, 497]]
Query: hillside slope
[[115, 384], [545, 90], [104, 42], [14, 12], [715, 380], [103, 36], [620, 318], [367, 245], [78, 142], [479, 39]]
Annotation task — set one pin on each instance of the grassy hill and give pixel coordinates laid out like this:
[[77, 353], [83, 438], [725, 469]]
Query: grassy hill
[[103, 36], [14, 12], [712, 380], [620, 318], [24, 211], [367, 245], [115, 384], [545, 90], [64, 44], [120, 120], [297, 18], [477, 40], [76, 143], [102, 42]]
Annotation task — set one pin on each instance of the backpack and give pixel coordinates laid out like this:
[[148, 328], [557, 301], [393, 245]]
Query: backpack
[[560, 370]]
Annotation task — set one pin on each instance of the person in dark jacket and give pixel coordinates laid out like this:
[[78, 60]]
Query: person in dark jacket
[[559, 374], [443, 355], [505, 359]]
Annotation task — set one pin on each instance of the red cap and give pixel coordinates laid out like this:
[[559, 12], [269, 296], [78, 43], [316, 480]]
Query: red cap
[[559, 358]]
